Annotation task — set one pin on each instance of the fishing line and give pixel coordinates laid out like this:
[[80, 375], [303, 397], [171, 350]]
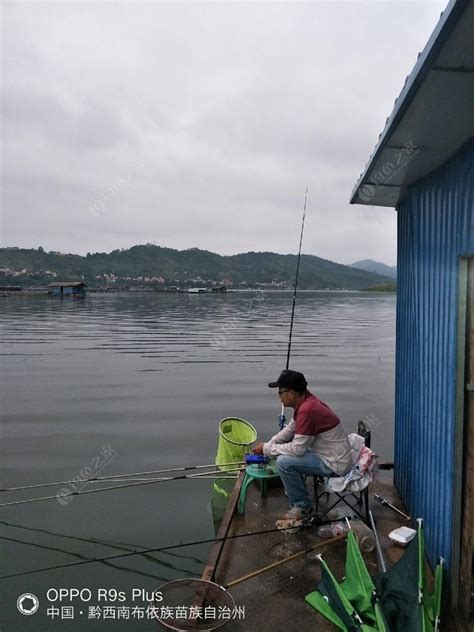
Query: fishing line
[[118, 476], [113, 544], [160, 549], [121, 568]]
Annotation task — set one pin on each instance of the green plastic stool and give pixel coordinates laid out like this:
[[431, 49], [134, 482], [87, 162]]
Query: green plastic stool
[[259, 474]]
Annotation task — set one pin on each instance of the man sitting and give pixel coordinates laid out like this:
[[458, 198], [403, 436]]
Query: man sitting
[[314, 442]]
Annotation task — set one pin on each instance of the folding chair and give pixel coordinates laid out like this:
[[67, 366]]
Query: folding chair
[[356, 492]]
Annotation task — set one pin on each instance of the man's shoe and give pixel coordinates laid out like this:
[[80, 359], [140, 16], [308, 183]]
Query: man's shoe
[[294, 519]]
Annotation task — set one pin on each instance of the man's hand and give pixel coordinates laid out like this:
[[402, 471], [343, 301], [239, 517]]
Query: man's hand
[[258, 449]]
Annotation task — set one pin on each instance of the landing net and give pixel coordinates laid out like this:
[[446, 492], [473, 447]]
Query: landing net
[[194, 604], [235, 437]]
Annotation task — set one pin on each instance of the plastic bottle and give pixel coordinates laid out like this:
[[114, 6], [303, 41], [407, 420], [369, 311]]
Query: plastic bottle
[[331, 530], [339, 513], [364, 536]]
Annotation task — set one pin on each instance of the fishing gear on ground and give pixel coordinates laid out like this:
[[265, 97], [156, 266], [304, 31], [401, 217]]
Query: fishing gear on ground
[[385, 502]]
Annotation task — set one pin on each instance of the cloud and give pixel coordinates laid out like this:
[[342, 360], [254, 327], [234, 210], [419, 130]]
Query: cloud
[[200, 124]]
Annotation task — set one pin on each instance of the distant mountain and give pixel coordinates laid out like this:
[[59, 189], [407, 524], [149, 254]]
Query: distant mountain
[[376, 267], [152, 265]]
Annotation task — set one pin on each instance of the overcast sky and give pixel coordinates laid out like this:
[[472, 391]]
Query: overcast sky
[[200, 124]]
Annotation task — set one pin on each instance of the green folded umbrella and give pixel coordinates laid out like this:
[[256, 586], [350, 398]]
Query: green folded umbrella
[[396, 601], [359, 587], [406, 601], [332, 602], [353, 605]]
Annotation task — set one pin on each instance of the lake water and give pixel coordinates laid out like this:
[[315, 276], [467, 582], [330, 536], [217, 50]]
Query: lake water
[[139, 381]]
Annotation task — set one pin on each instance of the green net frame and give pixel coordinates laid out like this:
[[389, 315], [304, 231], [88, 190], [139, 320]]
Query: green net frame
[[193, 604], [235, 438]]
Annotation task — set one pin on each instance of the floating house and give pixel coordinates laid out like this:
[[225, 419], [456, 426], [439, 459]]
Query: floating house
[[67, 288], [423, 166]]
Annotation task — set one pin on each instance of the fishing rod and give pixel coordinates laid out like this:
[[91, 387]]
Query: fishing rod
[[119, 476], [296, 282], [250, 459], [68, 494], [195, 477], [282, 418]]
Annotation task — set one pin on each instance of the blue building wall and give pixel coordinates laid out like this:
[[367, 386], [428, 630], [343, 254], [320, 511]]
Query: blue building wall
[[435, 227]]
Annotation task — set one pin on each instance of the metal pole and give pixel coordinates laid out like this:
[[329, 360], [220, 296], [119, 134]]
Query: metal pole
[[387, 504], [378, 548]]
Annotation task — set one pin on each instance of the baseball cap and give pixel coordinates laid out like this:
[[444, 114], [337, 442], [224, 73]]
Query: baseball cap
[[290, 379]]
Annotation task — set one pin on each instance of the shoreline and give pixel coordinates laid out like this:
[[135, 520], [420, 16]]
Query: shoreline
[[45, 292]]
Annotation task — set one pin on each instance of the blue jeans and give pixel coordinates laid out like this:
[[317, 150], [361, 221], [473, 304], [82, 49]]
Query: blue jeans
[[293, 468]]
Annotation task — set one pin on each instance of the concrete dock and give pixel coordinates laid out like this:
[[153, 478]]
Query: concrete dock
[[274, 600]]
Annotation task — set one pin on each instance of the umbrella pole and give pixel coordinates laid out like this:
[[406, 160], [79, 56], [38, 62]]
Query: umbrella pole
[[378, 548]]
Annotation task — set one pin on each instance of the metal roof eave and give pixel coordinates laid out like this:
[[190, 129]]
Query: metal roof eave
[[380, 194], [67, 284]]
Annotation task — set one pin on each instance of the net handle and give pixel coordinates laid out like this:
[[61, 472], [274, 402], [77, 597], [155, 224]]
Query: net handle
[[284, 560], [242, 421], [235, 582]]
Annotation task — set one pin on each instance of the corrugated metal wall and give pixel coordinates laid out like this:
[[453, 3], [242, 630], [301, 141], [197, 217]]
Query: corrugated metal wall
[[435, 227]]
